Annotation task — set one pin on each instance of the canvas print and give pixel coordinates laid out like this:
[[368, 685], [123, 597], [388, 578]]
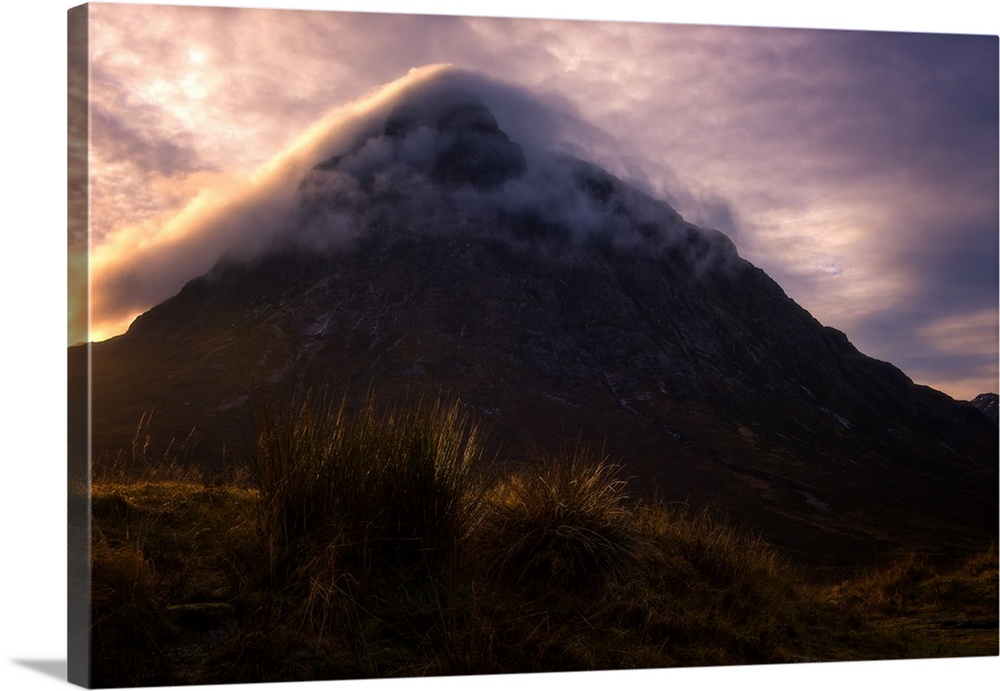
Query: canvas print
[[414, 345]]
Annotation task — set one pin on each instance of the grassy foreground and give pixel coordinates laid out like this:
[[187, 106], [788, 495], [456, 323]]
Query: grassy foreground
[[366, 545]]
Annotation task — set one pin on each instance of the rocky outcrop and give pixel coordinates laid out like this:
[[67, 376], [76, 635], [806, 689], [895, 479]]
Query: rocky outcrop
[[986, 403]]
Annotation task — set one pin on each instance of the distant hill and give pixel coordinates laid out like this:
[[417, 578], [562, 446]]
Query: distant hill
[[987, 403]]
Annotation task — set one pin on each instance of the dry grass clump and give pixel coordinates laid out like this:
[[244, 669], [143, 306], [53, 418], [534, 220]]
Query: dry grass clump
[[888, 588], [720, 554], [719, 594], [913, 583], [559, 524], [370, 490]]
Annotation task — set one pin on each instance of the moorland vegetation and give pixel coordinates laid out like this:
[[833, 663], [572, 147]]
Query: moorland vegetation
[[377, 542]]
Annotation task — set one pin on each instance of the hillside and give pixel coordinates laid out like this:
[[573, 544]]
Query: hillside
[[391, 556]]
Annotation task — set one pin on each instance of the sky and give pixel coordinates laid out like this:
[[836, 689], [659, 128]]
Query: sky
[[859, 169]]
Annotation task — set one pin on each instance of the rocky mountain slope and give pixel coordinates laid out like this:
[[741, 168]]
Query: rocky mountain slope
[[564, 308], [987, 404]]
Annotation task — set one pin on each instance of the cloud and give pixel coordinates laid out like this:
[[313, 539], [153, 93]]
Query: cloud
[[119, 141], [425, 148], [142, 265]]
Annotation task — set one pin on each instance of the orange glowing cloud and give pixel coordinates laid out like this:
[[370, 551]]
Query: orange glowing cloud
[[140, 265]]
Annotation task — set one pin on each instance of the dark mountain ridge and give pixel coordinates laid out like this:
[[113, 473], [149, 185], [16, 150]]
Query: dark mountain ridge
[[563, 307], [986, 403]]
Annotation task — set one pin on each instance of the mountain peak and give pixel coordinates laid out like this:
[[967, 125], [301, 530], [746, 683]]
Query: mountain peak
[[446, 132], [448, 109], [987, 404], [439, 157]]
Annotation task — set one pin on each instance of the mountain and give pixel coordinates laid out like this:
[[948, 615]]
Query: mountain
[[563, 307], [987, 404]]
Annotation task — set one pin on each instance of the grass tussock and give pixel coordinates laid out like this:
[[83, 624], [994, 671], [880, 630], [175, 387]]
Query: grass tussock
[[913, 583], [365, 545], [366, 491], [562, 523]]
